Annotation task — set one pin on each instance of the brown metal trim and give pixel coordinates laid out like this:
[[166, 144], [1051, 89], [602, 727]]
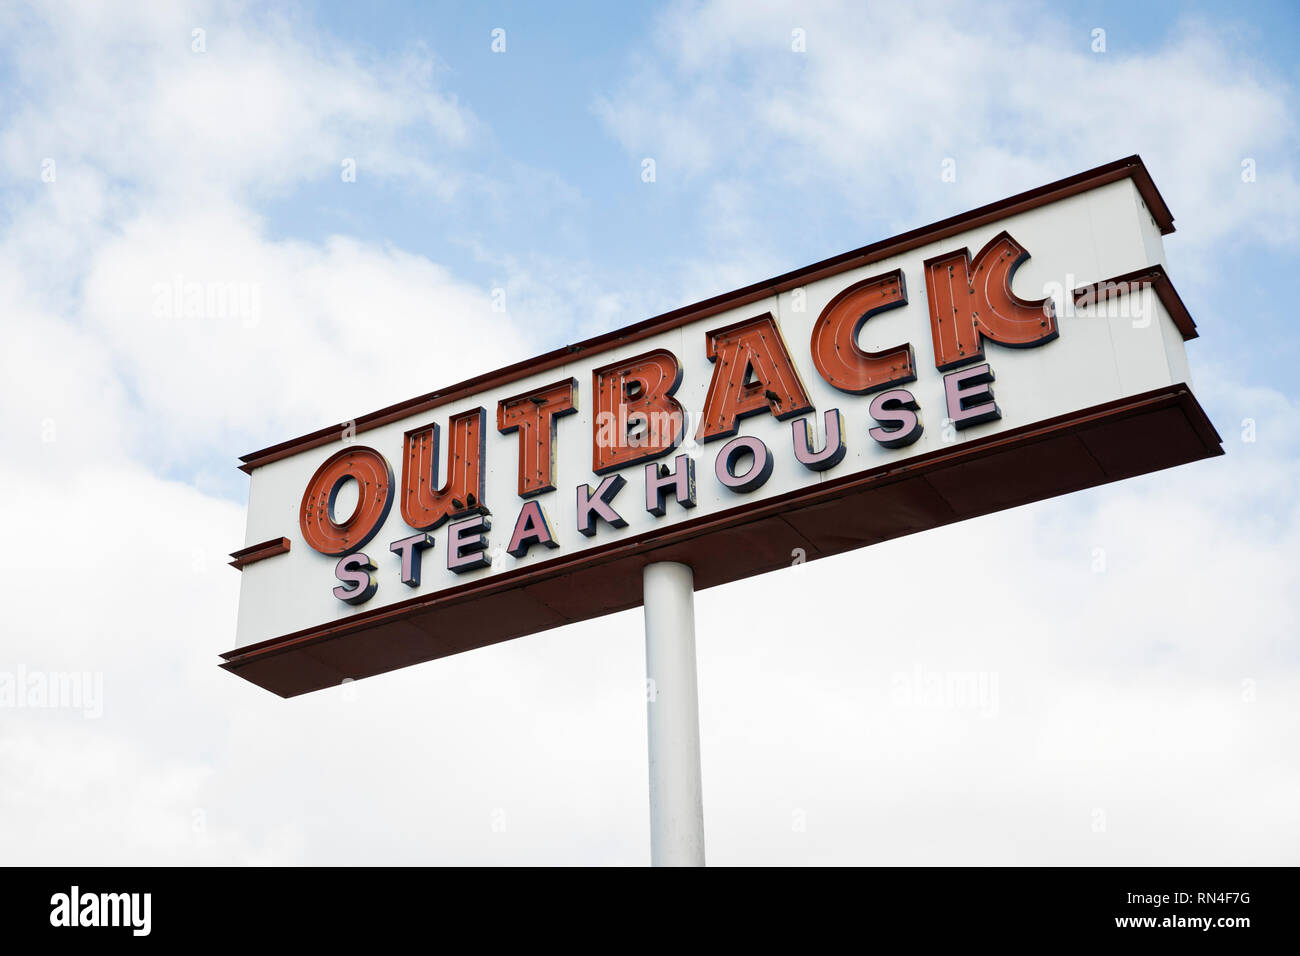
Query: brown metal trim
[[258, 552], [1154, 276], [1130, 167], [780, 506]]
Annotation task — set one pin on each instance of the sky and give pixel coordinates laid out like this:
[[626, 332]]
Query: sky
[[374, 174]]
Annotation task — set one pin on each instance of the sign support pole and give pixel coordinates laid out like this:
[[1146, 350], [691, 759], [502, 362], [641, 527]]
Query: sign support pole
[[673, 716]]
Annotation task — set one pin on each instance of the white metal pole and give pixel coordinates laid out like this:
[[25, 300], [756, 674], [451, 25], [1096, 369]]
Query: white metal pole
[[673, 716]]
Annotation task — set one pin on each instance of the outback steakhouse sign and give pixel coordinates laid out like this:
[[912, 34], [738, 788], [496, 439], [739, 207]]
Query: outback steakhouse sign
[[1025, 349]]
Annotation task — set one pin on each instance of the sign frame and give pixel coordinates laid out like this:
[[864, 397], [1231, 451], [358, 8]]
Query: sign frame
[[1091, 446]]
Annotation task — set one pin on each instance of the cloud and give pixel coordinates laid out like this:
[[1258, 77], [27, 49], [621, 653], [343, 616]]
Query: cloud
[[209, 98], [226, 333], [1132, 699], [1010, 92], [146, 285], [1126, 701], [1133, 705]]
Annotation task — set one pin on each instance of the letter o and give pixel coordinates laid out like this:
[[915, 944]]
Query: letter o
[[760, 468], [374, 478]]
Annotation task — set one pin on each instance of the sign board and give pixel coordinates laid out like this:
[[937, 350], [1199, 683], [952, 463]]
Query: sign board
[[1026, 349]]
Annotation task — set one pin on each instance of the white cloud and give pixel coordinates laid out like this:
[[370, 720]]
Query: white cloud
[[1123, 692], [1118, 698], [145, 284], [885, 93], [1136, 710], [220, 328], [267, 103]]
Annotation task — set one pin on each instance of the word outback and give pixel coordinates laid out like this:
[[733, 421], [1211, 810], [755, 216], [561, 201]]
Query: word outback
[[637, 421]]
